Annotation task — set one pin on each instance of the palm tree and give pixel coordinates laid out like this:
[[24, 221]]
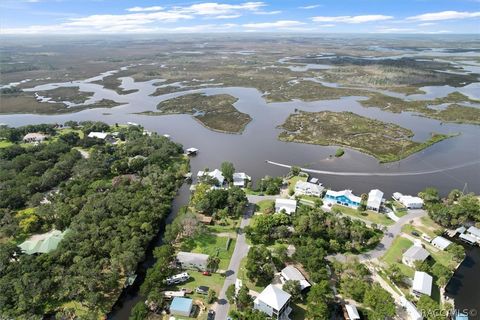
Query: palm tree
[[212, 263]]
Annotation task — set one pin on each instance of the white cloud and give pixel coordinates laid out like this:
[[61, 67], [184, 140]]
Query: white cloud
[[352, 19], [140, 9], [227, 16], [313, 6], [217, 9], [426, 24], [274, 25], [445, 15], [395, 30], [267, 12]]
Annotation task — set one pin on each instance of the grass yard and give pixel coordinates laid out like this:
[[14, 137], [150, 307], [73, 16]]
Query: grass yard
[[293, 181], [371, 216], [394, 255], [230, 226], [4, 144], [212, 245], [263, 205]]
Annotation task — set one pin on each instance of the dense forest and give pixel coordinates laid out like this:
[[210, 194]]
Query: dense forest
[[111, 203]]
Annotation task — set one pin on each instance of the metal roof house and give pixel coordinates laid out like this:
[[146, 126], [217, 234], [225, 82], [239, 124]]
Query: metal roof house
[[375, 199], [441, 243], [413, 254], [308, 189], [408, 201], [474, 232], [292, 273], [34, 137], [344, 198], [240, 179], [290, 206], [190, 260], [42, 243], [274, 302], [216, 174], [98, 135], [412, 311], [422, 284], [181, 306]]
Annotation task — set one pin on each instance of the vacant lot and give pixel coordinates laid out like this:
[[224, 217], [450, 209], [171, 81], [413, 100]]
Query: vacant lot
[[385, 141]]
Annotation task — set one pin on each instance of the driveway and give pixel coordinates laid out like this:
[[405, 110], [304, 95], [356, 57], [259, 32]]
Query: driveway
[[252, 198], [241, 249]]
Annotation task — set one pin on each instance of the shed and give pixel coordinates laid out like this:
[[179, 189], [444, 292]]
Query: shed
[[422, 283], [441, 243], [181, 306]]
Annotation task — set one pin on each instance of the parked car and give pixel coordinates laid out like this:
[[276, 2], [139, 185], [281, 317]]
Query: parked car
[[202, 289], [415, 233], [206, 273], [211, 315]]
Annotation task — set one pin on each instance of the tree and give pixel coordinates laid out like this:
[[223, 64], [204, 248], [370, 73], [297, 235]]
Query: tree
[[139, 311], [317, 301], [230, 293], [295, 170], [457, 251], [212, 263], [429, 308], [293, 288], [259, 265], [380, 302], [211, 296], [395, 273], [429, 195], [228, 170], [244, 299]]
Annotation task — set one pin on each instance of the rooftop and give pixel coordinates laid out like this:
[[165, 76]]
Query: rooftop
[[347, 193], [274, 297], [292, 273], [474, 231], [422, 282], [352, 312], [305, 186], [181, 304], [192, 258], [42, 243], [416, 253], [441, 242], [375, 197]]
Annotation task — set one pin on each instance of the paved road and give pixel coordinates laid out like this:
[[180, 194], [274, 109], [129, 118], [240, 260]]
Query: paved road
[[241, 249]]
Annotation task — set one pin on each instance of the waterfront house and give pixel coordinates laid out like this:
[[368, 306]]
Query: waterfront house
[[441, 243], [412, 311], [344, 198], [413, 254], [290, 206], [422, 284], [98, 135], [474, 232], [215, 174], [292, 273], [303, 188], [240, 179], [190, 260], [181, 306], [375, 199], [274, 302], [408, 201], [351, 312], [34, 137], [468, 239]]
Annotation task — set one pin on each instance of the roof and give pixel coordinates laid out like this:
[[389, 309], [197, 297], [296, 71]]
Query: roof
[[410, 199], [34, 136], [352, 312], [274, 297], [314, 180], [306, 186], [468, 238], [441, 242], [98, 135], [347, 193], [239, 178], [411, 309], [422, 282], [375, 197], [217, 174], [192, 258], [189, 149], [474, 231], [42, 243], [416, 253], [287, 204], [181, 304], [461, 229], [292, 273]]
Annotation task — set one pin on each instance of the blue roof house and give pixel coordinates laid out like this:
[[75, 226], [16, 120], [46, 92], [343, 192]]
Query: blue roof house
[[181, 306], [344, 198]]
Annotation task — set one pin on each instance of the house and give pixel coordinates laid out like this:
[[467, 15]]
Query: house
[[408, 201], [181, 306], [42, 243], [441, 243], [422, 284], [474, 232], [314, 180], [468, 239], [215, 174], [34, 137], [240, 179], [292, 273], [98, 135], [344, 198], [412, 312], [375, 199], [274, 302], [352, 312], [290, 206], [413, 254], [303, 188], [178, 278], [190, 260]]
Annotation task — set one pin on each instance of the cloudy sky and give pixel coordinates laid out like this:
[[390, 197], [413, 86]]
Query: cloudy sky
[[148, 16]]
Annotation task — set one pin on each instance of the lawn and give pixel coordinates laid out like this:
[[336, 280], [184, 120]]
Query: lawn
[[371, 216], [4, 143], [230, 227], [395, 252], [263, 205], [293, 181], [212, 245]]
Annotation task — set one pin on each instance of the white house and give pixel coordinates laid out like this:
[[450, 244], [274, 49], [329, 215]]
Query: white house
[[98, 135], [441, 243], [413, 313], [190, 260], [422, 284], [240, 179], [34, 137], [290, 206], [344, 198], [308, 189], [413, 254], [274, 302], [474, 232], [408, 201], [216, 174], [375, 199], [292, 273], [352, 312]]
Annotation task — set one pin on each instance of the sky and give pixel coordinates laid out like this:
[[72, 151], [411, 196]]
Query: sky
[[293, 16]]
